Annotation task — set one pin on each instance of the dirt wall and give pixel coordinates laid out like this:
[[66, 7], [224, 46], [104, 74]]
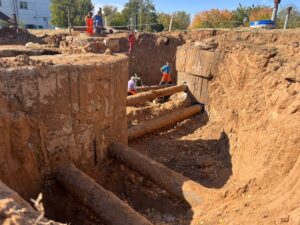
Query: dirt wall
[[68, 111], [254, 98], [150, 53]]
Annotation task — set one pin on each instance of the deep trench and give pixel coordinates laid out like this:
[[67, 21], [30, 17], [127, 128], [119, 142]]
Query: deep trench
[[243, 149], [140, 193]]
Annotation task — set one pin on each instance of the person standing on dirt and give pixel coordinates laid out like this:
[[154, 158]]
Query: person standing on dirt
[[166, 74], [132, 90], [131, 41], [89, 23], [98, 22]]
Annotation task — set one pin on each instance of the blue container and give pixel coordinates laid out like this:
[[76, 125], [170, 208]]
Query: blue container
[[269, 24]]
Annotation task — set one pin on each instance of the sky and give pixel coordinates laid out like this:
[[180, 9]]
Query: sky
[[195, 6]]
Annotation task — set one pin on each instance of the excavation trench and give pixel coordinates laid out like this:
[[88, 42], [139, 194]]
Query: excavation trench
[[189, 158], [60, 113]]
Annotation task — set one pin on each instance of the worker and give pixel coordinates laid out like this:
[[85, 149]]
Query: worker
[[132, 90], [89, 23], [166, 74], [131, 41], [98, 22]]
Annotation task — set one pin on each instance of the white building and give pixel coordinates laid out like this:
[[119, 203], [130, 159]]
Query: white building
[[30, 13]]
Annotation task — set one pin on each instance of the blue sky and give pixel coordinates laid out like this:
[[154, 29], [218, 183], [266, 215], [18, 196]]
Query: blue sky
[[194, 6]]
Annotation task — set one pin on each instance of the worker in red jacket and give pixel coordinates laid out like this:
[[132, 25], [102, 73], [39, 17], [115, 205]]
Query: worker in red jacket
[[131, 41], [89, 23]]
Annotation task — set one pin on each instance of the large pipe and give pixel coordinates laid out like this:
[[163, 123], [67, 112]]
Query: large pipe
[[171, 181], [162, 122], [275, 10], [143, 114], [104, 204], [141, 98], [153, 87], [289, 9]]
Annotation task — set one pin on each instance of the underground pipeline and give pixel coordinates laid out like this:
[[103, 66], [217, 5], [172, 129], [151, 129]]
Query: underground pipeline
[[173, 182], [162, 122], [141, 98], [104, 204]]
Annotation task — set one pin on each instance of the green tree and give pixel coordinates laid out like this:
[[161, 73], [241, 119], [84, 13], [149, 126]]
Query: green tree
[[164, 19], [181, 20], [114, 18], [137, 12], [242, 12], [78, 10]]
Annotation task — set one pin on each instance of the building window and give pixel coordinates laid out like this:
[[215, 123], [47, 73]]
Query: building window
[[23, 5]]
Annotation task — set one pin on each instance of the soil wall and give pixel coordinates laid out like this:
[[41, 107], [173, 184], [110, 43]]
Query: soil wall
[[57, 113], [254, 99]]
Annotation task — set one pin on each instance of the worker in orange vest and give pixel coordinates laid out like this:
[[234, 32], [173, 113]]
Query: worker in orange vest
[[89, 23], [131, 41]]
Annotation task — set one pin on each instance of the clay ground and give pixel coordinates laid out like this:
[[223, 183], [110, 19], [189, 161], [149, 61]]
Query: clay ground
[[245, 147]]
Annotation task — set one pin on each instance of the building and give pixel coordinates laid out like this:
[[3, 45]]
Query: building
[[30, 13]]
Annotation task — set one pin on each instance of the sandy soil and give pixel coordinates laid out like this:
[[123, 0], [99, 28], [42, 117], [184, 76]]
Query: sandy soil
[[247, 149]]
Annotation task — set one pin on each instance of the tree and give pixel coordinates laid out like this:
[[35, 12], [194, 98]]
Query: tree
[[214, 18], [109, 12], [260, 13], [137, 12], [181, 20], [242, 12], [78, 9], [164, 19]]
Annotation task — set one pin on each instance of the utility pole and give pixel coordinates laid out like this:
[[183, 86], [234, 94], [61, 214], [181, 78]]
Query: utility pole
[[140, 21], [275, 10], [15, 8], [16, 23], [289, 9], [136, 21], [171, 24], [69, 17]]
